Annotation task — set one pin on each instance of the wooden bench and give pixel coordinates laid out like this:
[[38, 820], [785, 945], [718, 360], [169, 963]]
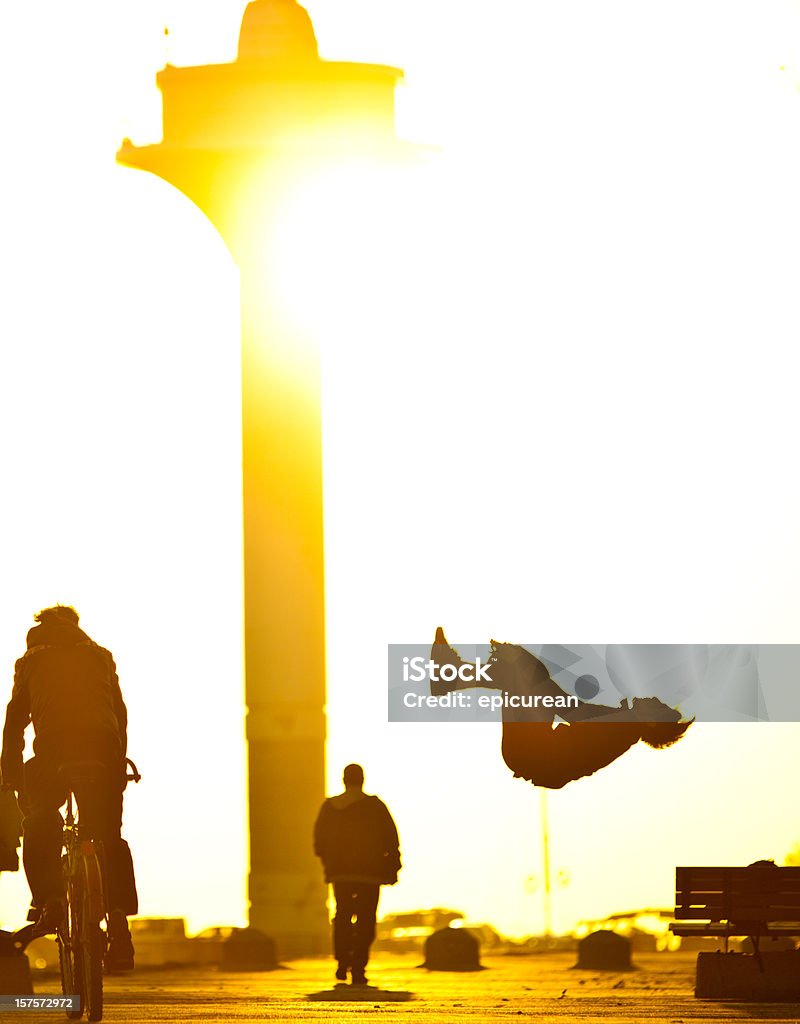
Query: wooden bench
[[752, 901]]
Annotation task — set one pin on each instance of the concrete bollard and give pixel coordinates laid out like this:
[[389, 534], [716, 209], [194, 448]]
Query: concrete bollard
[[15, 971], [248, 949], [604, 951], [452, 949], [775, 977]]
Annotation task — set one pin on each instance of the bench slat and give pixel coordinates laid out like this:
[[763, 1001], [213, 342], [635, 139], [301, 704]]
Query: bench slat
[[751, 885], [771, 909], [736, 876], [699, 914], [788, 872], [699, 928]]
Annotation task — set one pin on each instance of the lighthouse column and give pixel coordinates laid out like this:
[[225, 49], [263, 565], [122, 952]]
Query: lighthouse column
[[237, 140]]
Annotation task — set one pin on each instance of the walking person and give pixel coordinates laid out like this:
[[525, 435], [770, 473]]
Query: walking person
[[356, 839]]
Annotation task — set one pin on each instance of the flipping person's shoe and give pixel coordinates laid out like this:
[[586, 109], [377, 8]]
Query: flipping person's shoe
[[359, 978], [119, 955], [341, 972]]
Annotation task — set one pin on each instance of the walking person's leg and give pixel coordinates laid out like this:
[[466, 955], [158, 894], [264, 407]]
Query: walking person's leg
[[344, 895], [364, 933]]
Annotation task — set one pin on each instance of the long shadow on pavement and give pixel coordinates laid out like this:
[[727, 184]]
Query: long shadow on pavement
[[360, 994]]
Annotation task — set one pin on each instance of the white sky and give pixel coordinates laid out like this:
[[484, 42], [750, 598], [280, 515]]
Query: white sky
[[566, 411]]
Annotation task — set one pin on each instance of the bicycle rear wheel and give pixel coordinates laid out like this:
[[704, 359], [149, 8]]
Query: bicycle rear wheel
[[92, 938]]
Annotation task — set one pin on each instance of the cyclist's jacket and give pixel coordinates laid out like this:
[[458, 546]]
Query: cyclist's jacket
[[67, 686], [356, 839]]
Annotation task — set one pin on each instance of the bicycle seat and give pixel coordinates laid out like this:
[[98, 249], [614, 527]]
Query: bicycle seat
[[72, 772]]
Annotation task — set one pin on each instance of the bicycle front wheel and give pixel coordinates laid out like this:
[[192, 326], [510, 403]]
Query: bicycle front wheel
[[92, 949]]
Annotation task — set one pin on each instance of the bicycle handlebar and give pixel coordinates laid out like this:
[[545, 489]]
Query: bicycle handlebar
[[134, 775]]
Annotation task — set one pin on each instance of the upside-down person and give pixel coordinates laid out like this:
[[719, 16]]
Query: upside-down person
[[588, 737], [66, 686]]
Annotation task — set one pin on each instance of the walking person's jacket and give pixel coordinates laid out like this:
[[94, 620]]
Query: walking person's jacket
[[357, 841]]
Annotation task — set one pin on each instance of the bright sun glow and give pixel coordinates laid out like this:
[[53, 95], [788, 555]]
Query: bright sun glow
[[339, 247]]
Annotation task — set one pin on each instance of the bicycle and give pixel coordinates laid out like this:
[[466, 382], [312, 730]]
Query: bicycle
[[81, 937]]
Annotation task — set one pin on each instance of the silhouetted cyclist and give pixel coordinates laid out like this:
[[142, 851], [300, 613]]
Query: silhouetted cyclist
[[356, 839], [66, 685]]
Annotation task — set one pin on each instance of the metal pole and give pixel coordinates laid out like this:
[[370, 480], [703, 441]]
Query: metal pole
[[548, 900]]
